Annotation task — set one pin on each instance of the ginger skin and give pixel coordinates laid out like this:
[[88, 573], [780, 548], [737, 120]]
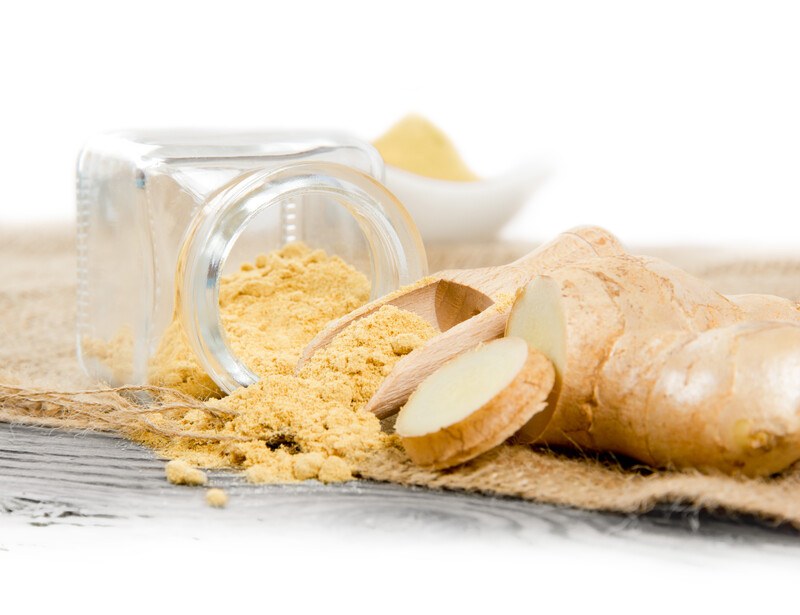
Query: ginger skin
[[654, 364]]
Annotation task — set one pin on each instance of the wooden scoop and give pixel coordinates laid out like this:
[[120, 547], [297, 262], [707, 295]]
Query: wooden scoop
[[468, 306]]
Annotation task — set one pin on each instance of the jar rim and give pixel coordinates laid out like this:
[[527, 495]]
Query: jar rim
[[396, 251]]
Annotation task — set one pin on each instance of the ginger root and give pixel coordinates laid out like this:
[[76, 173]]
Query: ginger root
[[654, 364]]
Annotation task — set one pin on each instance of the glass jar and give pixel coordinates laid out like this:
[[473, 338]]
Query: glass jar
[[160, 216]]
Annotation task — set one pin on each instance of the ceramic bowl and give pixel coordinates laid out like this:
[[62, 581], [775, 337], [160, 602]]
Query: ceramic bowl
[[450, 211]]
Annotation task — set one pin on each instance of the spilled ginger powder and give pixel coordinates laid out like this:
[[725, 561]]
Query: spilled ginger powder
[[216, 498], [288, 427], [181, 473]]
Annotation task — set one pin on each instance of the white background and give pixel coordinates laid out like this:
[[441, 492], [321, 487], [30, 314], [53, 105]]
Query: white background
[[665, 121]]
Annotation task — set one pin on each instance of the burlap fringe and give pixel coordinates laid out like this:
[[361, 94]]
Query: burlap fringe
[[125, 410]]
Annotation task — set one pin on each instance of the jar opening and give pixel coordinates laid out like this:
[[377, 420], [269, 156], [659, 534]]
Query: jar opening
[[329, 206]]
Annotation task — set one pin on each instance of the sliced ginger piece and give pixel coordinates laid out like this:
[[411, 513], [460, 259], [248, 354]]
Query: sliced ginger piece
[[474, 403], [179, 472]]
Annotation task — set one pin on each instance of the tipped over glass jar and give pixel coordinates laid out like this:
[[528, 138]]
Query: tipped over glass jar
[[162, 216]]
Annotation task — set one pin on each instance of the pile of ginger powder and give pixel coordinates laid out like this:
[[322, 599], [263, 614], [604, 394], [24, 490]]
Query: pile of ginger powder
[[287, 427]]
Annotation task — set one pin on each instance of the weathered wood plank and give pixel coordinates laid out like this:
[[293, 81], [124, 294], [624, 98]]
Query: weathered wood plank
[[89, 479]]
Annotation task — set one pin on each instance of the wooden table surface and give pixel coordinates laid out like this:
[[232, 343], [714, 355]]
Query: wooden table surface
[[52, 477], [78, 508]]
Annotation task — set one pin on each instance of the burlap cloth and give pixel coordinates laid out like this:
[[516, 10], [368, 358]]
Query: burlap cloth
[[37, 316]]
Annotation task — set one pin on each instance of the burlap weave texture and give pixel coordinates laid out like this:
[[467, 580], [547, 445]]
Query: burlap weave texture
[[37, 350]]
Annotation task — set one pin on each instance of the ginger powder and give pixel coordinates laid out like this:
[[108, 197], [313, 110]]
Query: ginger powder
[[270, 310], [288, 427], [414, 144]]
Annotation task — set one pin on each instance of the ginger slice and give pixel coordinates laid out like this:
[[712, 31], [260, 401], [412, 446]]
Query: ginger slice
[[474, 403]]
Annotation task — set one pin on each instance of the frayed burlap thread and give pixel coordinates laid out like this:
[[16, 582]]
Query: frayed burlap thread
[[42, 384]]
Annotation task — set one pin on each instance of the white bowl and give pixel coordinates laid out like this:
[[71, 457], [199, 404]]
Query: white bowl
[[447, 211]]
